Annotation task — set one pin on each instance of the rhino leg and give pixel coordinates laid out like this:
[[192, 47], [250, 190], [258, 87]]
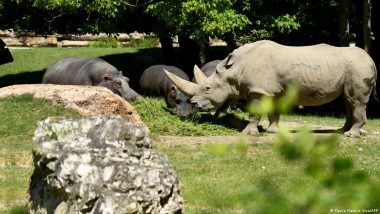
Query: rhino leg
[[359, 118], [348, 124], [273, 122], [251, 128]]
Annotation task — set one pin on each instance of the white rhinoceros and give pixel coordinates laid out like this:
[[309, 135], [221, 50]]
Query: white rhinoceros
[[322, 72]]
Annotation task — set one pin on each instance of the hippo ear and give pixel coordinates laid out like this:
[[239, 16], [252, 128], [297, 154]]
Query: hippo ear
[[106, 76], [199, 76], [126, 79], [173, 89]]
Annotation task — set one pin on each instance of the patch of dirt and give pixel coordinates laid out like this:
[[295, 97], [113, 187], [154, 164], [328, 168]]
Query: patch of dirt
[[87, 100], [264, 137]]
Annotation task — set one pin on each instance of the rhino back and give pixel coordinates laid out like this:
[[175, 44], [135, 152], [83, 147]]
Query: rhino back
[[153, 81], [321, 71]]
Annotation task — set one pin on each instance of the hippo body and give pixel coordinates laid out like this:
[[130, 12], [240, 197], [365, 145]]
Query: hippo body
[[89, 71], [154, 82], [209, 68]]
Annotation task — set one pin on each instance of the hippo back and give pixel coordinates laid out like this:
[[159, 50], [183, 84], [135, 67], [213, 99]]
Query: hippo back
[[153, 81], [89, 71], [209, 68]]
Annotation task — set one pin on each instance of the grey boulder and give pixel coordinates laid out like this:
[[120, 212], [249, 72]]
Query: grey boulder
[[99, 165]]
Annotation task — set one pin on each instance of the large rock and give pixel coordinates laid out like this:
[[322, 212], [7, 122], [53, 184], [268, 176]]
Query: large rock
[[99, 165], [40, 41], [87, 100]]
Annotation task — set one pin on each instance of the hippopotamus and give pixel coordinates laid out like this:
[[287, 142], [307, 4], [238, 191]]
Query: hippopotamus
[[89, 71], [154, 82], [209, 68], [266, 68]]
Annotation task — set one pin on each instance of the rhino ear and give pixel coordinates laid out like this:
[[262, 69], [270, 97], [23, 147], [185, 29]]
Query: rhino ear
[[229, 62], [225, 64], [173, 89]]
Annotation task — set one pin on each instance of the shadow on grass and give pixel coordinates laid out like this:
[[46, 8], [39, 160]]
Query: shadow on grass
[[32, 77]]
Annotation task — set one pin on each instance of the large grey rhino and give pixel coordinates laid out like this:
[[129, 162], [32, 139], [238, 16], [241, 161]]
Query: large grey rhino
[[89, 71], [265, 68]]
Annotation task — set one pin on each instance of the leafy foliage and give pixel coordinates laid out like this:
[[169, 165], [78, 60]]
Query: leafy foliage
[[146, 42], [337, 185], [199, 18], [105, 42]]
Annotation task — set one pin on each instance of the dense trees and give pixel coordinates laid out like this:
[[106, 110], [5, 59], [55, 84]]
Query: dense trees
[[296, 22]]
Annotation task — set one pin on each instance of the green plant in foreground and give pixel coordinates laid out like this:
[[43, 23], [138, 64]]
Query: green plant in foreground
[[337, 185]]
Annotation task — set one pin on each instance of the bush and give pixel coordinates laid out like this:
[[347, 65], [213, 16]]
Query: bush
[[146, 42], [105, 42]]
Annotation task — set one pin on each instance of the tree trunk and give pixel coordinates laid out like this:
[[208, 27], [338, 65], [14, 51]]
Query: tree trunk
[[203, 51], [344, 25], [189, 54], [367, 25], [167, 49]]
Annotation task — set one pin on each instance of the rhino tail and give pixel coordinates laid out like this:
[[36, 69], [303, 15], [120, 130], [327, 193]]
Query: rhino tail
[[374, 93]]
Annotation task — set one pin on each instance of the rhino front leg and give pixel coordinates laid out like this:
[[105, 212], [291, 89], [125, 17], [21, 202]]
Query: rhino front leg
[[251, 128], [273, 122]]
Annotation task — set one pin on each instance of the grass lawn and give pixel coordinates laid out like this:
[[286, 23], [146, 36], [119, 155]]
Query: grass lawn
[[212, 181]]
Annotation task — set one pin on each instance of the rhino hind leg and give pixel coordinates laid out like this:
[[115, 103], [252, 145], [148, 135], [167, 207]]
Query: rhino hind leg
[[349, 120], [359, 118], [273, 122]]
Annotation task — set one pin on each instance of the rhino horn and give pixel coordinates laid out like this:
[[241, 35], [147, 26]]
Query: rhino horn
[[199, 76], [187, 87]]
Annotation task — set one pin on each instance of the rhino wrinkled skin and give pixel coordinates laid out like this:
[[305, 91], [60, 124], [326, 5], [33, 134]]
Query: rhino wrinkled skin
[[265, 68]]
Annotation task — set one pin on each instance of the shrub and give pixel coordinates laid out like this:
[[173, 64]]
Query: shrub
[[105, 42], [146, 42]]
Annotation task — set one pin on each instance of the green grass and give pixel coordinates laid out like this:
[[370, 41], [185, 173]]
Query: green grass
[[36, 59], [105, 42], [160, 121], [18, 118], [210, 183], [15, 127], [217, 183]]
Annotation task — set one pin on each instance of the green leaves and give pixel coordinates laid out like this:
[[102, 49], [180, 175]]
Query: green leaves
[[268, 105], [199, 18]]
